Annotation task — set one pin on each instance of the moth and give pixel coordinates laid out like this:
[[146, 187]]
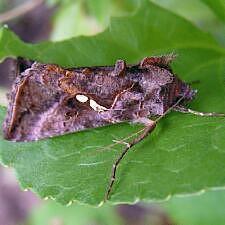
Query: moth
[[47, 100]]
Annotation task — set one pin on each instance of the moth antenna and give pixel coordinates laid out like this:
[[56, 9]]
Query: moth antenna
[[187, 110]]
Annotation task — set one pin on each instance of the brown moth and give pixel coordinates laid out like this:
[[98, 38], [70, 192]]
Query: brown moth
[[47, 100]]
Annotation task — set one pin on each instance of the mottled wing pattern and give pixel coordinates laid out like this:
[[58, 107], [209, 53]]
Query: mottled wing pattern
[[47, 100]]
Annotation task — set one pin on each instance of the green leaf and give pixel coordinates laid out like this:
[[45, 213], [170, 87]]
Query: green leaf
[[87, 17], [101, 9], [203, 208], [207, 209], [193, 10], [184, 154], [65, 27], [83, 215], [218, 6], [130, 38], [104, 9], [203, 13]]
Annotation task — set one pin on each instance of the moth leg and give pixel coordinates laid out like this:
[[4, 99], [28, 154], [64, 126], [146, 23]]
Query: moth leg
[[157, 60], [187, 110], [120, 68], [122, 142], [149, 127]]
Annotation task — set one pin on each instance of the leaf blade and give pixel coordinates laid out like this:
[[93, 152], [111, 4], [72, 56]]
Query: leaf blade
[[72, 167]]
